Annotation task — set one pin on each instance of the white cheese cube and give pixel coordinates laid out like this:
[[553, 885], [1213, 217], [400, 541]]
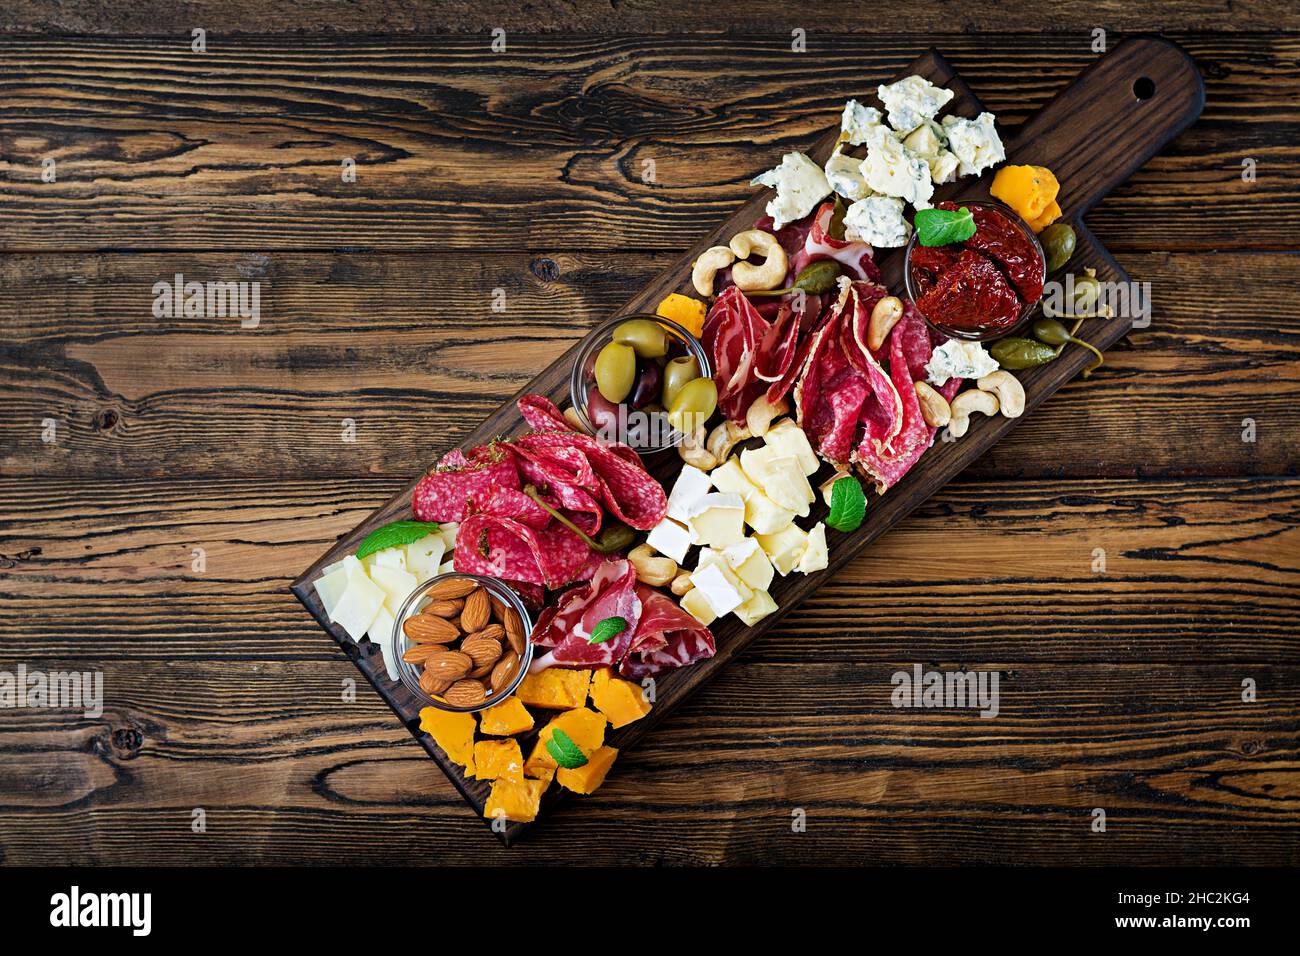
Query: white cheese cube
[[780, 477], [716, 590], [784, 548], [691, 485], [383, 632], [789, 439], [697, 607], [800, 185], [718, 520], [447, 530], [424, 555], [815, 556], [911, 101], [357, 606], [671, 539], [761, 513], [329, 586], [717, 559], [750, 563], [731, 479], [877, 220], [396, 584], [756, 608]]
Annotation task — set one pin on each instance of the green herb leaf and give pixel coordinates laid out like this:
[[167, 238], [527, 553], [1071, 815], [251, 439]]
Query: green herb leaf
[[566, 753], [610, 627], [939, 227], [395, 534], [848, 504]]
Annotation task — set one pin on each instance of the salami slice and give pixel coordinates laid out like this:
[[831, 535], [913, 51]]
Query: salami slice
[[506, 548], [442, 494], [625, 488]]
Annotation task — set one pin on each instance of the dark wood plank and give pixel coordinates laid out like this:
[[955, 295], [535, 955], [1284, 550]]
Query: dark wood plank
[[366, 337], [1195, 570], [544, 146], [156, 17], [290, 773]]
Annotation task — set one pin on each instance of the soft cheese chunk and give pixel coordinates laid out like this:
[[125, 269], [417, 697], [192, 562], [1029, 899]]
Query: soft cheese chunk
[[357, 606], [695, 604], [718, 520], [761, 512], [959, 359], [756, 608], [800, 185], [789, 439], [691, 485], [751, 564], [671, 539], [892, 169], [785, 548], [912, 101], [856, 122], [721, 594], [974, 142], [844, 173], [780, 476], [931, 143], [877, 220], [815, 555]]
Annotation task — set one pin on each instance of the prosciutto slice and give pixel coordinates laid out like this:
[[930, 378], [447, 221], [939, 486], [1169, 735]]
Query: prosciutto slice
[[733, 333], [566, 626], [857, 257], [666, 638]]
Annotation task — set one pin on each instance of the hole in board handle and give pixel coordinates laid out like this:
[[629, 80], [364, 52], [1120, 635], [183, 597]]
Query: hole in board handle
[[1144, 88]]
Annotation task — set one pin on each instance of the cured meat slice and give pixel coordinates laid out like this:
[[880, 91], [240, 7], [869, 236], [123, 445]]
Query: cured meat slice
[[857, 257], [779, 345], [625, 487], [667, 637], [733, 331], [542, 415], [504, 547], [442, 494], [567, 626]]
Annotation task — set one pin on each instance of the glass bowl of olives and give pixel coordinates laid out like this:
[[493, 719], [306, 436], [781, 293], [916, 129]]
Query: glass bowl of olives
[[642, 380]]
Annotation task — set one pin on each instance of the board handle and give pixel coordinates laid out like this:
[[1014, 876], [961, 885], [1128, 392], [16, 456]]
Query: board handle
[[1115, 116]]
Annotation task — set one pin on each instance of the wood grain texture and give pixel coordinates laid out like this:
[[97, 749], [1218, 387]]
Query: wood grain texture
[[226, 17], [546, 145], [290, 773]]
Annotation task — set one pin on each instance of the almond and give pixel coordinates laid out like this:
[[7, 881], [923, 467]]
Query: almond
[[498, 610], [421, 653], [445, 608], [494, 631], [515, 633], [428, 629], [448, 665], [449, 589], [483, 650], [477, 613], [465, 693], [479, 673], [431, 685], [504, 671]]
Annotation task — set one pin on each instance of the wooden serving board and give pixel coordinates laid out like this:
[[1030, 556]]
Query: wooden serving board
[[1115, 116]]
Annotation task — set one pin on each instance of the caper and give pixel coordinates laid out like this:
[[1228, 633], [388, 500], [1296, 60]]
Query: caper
[[693, 405], [615, 371], [1058, 241], [1087, 292], [645, 337], [1017, 353], [676, 374], [818, 277], [615, 536], [1051, 331]]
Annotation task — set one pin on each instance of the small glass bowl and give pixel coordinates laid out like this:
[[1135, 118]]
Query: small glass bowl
[[410, 673], [580, 378], [979, 335]]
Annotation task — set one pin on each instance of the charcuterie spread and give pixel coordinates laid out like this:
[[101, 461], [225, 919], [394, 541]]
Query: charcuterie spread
[[714, 448]]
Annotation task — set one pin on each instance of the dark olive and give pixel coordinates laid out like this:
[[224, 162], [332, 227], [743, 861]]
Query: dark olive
[[648, 383]]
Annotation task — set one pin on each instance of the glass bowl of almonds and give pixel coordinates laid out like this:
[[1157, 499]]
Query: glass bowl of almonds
[[462, 642]]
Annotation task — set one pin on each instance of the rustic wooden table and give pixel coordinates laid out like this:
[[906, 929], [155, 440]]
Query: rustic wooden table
[[1126, 559]]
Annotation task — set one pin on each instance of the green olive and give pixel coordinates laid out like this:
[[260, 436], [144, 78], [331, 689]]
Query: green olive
[[677, 373], [645, 337], [693, 405], [1058, 242], [615, 371]]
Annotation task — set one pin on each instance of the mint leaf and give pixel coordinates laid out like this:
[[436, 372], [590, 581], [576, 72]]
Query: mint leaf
[[939, 227], [610, 627], [566, 753], [848, 505], [395, 534]]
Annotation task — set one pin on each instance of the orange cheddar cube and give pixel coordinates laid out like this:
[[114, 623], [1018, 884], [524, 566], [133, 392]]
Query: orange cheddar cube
[[621, 701], [454, 733], [1049, 216], [499, 759], [588, 777], [1029, 190], [555, 688], [516, 800], [585, 727], [685, 311], [505, 719]]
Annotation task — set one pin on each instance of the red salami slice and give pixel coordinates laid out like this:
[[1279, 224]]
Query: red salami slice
[[441, 495], [541, 415], [666, 638], [625, 487], [502, 547]]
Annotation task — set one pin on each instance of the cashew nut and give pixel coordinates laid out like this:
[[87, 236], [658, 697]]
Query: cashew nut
[[749, 277], [965, 404], [934, 407], [884, 316], [571, 416], [1010, 393], [762, 413], [693, 451], [724, 438], [651, 567], [682, 584], [829, 483], [707, 266]]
